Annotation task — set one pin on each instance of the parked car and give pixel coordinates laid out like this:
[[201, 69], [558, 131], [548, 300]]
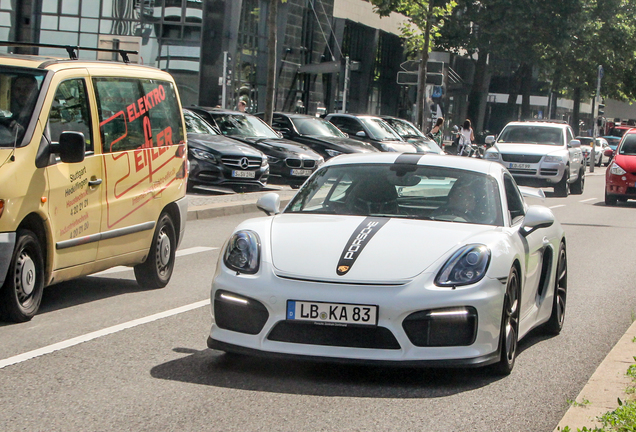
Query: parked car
[[621, 174], [319, 134], [409, 132], [601, 150], [540, 153], [613, 142], [216, 160], [412, 260], [373, 130], [289, 162], [619, 130]]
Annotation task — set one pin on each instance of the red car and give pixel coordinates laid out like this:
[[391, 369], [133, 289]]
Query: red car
[[620, 177]]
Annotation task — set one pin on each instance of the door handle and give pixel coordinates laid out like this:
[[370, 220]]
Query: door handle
[[96, 182]]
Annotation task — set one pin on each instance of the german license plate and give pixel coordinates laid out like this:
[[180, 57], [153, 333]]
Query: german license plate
[[244, 174], [301, 172], [520, 165], [336, 313]]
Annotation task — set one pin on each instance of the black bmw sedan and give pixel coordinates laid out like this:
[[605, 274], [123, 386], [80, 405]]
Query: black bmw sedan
[[289, 162], [216, 160], [319, 134]]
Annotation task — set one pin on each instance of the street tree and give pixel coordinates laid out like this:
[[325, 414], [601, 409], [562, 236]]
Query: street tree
[[425, 19]]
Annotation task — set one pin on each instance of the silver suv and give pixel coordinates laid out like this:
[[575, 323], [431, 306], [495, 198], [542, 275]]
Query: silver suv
[[540, 154]]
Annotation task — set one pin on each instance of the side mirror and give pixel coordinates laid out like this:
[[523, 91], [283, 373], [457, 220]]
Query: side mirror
[[269, 203], [575, 143], [71, 148], [536, 217], [361, 134], [285, 132], [490, 139]]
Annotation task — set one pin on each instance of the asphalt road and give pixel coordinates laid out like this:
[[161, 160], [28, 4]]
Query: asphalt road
[[104, 354]]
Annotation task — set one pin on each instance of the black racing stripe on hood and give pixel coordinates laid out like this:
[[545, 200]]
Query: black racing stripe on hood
[[408, 158], [358, 240]]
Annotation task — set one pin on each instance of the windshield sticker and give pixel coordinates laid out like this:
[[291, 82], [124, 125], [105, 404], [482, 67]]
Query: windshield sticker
[[358, 240]]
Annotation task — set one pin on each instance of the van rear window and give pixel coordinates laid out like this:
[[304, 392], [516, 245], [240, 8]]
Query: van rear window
[[137, 113]]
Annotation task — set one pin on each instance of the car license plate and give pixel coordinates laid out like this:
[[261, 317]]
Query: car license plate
[[520, 165], [337, 313], [301, 172], [244, 174]]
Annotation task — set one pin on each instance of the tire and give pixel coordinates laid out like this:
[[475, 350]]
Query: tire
[[156, 271], [610, 200], [21, 294], [561, 189], [578, 186], [555, 323], [509, 333]]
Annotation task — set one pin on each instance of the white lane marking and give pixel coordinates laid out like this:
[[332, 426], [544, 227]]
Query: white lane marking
[[589, 199], [179, 253], [99, 333], [557, 206]]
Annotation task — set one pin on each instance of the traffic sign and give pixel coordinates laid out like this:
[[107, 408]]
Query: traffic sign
[[411, 65], [407, 78]]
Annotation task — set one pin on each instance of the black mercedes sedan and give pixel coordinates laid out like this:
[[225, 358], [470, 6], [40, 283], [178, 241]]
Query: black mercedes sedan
[[216, 160], [319, 134], [289, 162], [374, 130]]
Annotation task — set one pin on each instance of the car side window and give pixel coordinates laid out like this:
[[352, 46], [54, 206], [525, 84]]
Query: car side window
[[70, 112], [514, 199], [279, 122]]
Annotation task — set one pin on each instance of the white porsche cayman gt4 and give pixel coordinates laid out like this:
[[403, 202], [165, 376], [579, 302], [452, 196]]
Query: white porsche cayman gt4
[[404, 259]]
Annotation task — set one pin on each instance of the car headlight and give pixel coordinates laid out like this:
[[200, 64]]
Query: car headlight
[[554, 159], [264, 162], [616, 169], [203, 155], [467, 266], [243, 252], [273, 160], [492, 156]]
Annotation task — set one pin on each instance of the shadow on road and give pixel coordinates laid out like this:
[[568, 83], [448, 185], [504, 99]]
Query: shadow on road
[[235, 371]]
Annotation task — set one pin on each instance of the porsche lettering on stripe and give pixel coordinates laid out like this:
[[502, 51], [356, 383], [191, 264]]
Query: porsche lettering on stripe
[[358, 240]]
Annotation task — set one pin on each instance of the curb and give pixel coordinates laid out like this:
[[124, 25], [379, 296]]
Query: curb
[[605, 386], [225, 209]]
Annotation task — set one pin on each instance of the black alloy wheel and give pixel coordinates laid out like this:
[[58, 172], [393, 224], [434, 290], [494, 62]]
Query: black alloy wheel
[[555, 323], [509, 333]]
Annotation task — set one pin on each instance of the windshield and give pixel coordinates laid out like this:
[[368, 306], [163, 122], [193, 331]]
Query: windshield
[[380, 130], [404, 128], [523, 134], [317, 126], [195, 124], [19, 88], [413, 192], [243, 125], [628, 146]]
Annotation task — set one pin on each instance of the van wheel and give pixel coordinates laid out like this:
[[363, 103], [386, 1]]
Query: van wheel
[[156, 271], [21, 294]]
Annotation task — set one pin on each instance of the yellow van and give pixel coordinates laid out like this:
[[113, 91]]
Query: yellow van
[[93, 172]]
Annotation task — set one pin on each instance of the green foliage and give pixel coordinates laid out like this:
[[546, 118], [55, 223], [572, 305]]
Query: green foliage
[[578, 404], [419, 13]]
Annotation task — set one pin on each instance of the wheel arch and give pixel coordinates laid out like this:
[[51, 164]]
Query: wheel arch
[[173, 211], [36, 224]]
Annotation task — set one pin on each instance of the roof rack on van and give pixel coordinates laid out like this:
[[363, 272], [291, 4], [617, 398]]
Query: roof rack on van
[[72, 50]]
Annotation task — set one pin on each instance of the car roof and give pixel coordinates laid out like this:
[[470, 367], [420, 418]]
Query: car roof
[[432, 159], [539, 124]]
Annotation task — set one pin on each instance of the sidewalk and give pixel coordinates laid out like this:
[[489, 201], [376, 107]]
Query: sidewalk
[[600, 394]]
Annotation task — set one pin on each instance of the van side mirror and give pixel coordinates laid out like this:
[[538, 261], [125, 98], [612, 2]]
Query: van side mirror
[[71, 148], [575, 143]]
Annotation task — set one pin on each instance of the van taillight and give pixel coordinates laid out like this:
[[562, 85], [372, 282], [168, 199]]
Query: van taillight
[[1, 207]]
